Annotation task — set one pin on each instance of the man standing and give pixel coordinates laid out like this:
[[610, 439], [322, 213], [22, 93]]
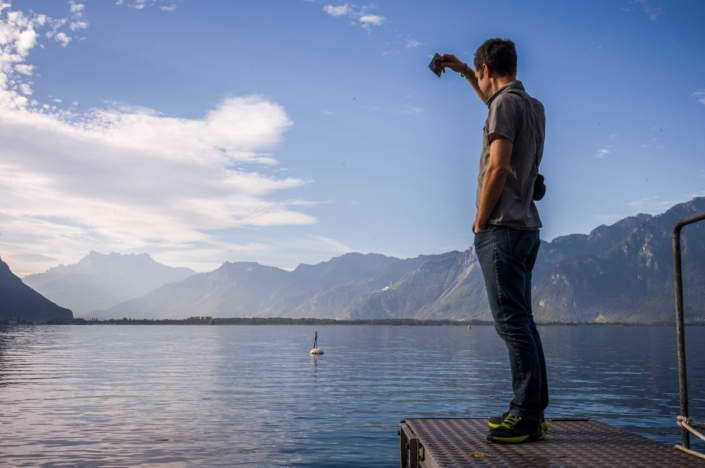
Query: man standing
[[507, 228]]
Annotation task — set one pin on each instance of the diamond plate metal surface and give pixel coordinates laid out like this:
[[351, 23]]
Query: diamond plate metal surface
[[587, 443]]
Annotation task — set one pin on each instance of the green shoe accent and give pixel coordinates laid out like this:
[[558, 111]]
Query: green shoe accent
[[495, 421], [516, 430]]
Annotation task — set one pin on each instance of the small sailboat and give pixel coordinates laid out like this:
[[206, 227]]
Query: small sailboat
[[316, 349]]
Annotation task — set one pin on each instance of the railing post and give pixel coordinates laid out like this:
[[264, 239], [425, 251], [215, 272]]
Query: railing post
[[680, 319], [680, 329]]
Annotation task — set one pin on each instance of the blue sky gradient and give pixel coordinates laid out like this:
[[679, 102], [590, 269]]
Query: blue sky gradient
[[380, 154]]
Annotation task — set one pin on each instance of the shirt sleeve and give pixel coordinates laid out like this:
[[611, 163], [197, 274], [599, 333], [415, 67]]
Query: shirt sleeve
[[502, 118]]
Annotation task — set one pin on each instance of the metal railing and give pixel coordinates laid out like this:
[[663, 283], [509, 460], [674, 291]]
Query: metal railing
[[683, 420]]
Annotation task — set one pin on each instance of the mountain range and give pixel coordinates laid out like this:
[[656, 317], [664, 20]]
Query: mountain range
[[100, 281], [617, 273]]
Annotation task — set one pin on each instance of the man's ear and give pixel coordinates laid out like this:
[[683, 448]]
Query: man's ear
[[486, 70]]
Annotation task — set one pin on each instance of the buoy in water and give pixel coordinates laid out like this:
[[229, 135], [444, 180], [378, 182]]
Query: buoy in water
[[316, 349], [469, 327]]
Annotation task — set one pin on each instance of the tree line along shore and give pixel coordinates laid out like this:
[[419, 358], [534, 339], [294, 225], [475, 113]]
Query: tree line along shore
[[308, 321]]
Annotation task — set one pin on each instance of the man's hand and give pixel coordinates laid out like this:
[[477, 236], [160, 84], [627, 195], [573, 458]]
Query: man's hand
[[452, 62], [493, 181]]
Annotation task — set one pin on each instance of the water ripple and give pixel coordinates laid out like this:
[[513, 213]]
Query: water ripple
[[252, 396]]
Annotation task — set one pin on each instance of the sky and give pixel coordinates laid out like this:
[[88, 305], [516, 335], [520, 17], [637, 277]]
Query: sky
[[293, 131]]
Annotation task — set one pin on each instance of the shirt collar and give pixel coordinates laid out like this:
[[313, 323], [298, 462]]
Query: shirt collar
[[516, 84]]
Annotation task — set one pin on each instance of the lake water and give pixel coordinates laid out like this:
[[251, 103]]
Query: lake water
[[253, 396]]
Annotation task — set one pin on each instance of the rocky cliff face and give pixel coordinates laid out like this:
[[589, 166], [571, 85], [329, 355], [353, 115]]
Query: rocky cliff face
[[18, 300], [633, 280]]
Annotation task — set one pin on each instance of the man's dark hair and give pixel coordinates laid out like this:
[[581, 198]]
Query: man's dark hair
[[500, 55]]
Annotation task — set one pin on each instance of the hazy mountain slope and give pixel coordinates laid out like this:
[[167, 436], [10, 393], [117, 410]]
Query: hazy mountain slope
[[632, 281], [19, 300], [449, 287], [244, 289], [233, 290], [100, 281], [350, 267], [337, 301]]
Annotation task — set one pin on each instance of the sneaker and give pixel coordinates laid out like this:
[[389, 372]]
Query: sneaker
[[495, 421], [515, 430]]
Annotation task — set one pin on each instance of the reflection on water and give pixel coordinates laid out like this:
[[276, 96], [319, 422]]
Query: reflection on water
[[254, 396]]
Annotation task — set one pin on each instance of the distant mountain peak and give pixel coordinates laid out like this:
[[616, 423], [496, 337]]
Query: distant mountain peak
[[99, 281]]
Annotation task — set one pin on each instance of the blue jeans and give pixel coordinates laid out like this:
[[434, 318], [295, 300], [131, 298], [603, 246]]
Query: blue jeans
[[507, 257]]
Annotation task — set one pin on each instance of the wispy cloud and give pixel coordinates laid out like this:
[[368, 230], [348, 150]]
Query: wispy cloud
[[650, 143], [141, 4], [332, 244], [700, 95], [129, 178], [412, 110], [652, 12], [656, 203], [602, 152], [412, 44], [357, 15]]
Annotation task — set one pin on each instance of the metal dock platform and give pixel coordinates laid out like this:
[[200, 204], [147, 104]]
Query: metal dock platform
[[570, 442]]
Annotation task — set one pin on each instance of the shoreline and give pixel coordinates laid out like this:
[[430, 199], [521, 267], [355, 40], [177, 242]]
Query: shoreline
[[322, 322]]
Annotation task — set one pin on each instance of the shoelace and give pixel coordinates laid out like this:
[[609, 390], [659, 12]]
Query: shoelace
[[510, 421]]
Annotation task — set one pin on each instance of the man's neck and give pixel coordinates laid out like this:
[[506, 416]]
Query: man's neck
[[499, 82]]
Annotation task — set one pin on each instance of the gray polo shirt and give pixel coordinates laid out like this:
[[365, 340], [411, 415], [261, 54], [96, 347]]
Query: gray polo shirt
[[509, 117]]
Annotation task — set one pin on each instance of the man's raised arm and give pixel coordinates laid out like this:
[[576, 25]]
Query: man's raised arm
[[454, 63]]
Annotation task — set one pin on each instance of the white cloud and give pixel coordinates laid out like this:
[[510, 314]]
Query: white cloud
[[126, 179], [700, 96], [340, 10], [412, 44], [25, 69], [63, 39], [24, 87], [355, 14], [371, 20], [142, 4], [602, 152], [78, 21]]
